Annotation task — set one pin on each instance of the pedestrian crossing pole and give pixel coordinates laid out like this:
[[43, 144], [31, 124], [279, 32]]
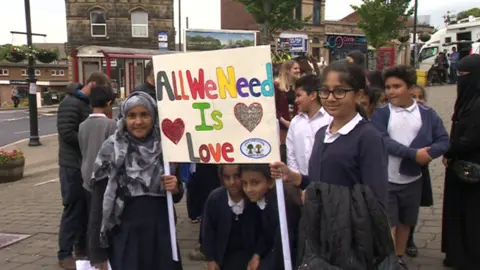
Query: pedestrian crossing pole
[[32, 81]]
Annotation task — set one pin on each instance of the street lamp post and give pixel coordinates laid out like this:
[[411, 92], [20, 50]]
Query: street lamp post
[[32, 92], [180, 32], [415, 52]]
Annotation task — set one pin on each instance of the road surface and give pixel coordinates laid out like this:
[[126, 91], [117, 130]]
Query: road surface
[[15, 125]]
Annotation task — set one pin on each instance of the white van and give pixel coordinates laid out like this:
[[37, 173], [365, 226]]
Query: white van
[[460, 35]]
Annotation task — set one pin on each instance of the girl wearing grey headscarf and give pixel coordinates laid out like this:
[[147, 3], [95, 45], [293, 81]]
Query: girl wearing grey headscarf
[[128, 223]]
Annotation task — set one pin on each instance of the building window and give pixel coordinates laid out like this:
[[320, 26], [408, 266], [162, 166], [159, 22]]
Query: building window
[[298, 10], [139, 24], [24, 72], [37, 72], [98, 23], [4, 72], [316, 12], [59, 72]]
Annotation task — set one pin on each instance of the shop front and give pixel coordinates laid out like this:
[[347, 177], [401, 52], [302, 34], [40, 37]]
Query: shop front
[[340, 45], [124, 66], [294, 43]]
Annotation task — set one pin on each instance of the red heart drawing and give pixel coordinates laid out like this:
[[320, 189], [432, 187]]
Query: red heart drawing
[[173, 130]]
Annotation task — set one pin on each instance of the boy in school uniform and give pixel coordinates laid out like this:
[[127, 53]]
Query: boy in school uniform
[[414, 135], [303, 127], [95, 130]]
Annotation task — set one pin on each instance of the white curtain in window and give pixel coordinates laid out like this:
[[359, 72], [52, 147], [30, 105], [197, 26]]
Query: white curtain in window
[[139, 24]]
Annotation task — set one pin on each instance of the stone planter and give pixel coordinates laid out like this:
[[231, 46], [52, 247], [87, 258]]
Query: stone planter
[[12, 170]]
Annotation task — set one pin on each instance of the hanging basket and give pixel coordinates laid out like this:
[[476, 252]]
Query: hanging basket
[[16, 56], [425, 37], [45, 55], [403, 39], [3, 52]]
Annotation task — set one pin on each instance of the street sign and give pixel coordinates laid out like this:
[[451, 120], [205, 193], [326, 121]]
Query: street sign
[[163, 40]]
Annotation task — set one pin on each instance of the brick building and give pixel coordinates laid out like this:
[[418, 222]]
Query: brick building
[[421, 28], [118, 23], [51, 77], [117, 37], [390, 53], [235, 17]]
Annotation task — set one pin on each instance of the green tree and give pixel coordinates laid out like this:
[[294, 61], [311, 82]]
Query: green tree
[[250, 148], [475, 12], [382, 20], [273, 15]]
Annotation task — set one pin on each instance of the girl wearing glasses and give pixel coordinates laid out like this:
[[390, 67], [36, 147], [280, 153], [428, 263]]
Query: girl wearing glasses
[[350, 146], [347, 154]]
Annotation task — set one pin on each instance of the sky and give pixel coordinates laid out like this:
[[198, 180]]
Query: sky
[[49, 18]]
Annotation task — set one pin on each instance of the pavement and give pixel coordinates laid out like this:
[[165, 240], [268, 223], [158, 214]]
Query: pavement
[[32, 206]]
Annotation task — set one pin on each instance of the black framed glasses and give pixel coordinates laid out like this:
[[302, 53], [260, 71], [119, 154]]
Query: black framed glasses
[[337, 93]]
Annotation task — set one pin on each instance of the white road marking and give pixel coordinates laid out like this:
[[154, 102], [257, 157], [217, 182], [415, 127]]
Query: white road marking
[[26, 139], [13, 119], [22, 132], [13, 111], [46, 182], [40, 115]]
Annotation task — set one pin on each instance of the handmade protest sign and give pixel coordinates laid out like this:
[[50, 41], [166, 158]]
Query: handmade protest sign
[[217, 106]]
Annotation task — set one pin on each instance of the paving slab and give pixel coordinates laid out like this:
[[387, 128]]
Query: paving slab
[[33, 206]]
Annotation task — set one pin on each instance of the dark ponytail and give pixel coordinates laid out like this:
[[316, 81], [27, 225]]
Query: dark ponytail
[[361, 111]]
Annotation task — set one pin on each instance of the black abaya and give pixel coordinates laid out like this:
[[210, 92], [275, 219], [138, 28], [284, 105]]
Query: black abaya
[[461, 219], [461, 223]]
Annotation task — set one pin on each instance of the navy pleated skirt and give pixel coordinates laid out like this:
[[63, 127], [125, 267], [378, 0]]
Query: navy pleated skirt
[[142, 240]]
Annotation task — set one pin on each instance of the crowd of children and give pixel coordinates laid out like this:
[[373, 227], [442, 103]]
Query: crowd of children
[[350, 132], [357, 147]]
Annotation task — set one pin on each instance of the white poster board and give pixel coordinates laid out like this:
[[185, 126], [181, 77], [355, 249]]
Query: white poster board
[[217, 106], [85, 265]]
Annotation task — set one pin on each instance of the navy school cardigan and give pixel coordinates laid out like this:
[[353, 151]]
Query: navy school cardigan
[[217, 223], [359, 157], [432, 133]]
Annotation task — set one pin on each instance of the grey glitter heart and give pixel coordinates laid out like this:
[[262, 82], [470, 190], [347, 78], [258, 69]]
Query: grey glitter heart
[[249, 116]]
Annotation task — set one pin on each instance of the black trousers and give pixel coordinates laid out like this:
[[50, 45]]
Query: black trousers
[[199, 186], [16, 101], [74, 221]]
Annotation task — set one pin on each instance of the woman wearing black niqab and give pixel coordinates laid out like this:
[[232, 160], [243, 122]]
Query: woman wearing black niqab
[[461, 218]]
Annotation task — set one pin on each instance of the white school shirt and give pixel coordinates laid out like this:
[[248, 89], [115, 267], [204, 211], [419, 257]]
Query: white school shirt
[[347, 128], [403, 127], [97, 115], [300, 139], [236, 207], [262, 203]]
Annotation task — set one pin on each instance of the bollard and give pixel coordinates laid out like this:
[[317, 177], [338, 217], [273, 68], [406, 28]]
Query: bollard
[[422, 77]]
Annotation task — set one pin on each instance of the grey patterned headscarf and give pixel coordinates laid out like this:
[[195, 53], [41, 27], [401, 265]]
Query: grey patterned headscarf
[[133, 166]]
